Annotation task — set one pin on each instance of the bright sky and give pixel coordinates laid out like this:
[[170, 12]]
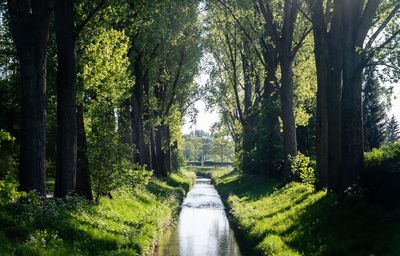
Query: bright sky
[[205, 119]]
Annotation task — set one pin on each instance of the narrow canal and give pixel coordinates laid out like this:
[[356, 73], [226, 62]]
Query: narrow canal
[[203, 228]]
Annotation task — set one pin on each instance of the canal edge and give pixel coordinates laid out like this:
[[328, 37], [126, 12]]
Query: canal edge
[[246, 246], [171, 223]]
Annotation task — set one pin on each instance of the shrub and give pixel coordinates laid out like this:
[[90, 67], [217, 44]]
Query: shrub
[[8, 157], [8, 189], [381, 174], [177, 160], [386, 158], [136, 176], [301, 167]]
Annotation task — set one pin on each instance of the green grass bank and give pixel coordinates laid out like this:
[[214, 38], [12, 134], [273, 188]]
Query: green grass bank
[[296, 220], [128, 224]]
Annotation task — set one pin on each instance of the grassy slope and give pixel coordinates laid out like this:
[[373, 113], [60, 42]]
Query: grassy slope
[[128, 224], [296, 220]]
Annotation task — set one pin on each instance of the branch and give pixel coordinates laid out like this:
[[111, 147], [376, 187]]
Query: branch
[[382, 64], [269, 20], [299, 44], [386, 42], [305, 15], [383, 25], [366, 21], [174, 85], [243, 29]]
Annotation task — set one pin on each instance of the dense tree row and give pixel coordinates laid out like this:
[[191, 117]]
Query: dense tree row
[[103, 88], [288, 75], [92, 91]]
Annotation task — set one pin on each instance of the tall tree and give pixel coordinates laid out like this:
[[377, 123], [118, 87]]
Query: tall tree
[[392, 130], [66, 94], [374, 111], [29, 22], [68, 152], [340, 31], [281, 42]]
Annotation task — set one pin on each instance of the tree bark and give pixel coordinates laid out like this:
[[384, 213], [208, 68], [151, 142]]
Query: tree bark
[[159, 152], [153, 149], [83, 181], [137, 110], [334, 97], [30, 25], [287, 113], [66, 94], [271, 120], [167, 151], [352, 126], [321, 59], [286, 90], [341, 76]]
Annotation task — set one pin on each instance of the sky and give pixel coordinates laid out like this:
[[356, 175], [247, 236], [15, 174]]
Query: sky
[[205, 119]]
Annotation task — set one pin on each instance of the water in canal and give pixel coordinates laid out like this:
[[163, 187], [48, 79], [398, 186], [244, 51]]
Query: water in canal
[[203, 228]]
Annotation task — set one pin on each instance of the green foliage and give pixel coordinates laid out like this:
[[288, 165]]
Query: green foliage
[[383, 159], [305, 81], [129, 224], [392, 130], [8, 159], [375, 105], [177, 160], [297, 220], [8, 190], [301, 166], [136, 176], [381, 175]]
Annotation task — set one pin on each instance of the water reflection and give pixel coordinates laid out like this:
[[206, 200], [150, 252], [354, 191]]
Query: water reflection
[[203, 228]]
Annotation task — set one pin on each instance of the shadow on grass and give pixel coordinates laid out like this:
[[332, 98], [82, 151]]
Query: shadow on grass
[[251, 187], [295, 220], [352, 227]]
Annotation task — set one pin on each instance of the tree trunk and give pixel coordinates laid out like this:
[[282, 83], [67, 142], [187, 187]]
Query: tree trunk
[[83, 181], [147, 158], [167, 151], [287, 113], [159, 152], [286, 90], [270, 113], [66, 94], [146, 116], [30, 25], [352, 128], [137, 111], [321, 60], [247, 124], [153, 149]]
